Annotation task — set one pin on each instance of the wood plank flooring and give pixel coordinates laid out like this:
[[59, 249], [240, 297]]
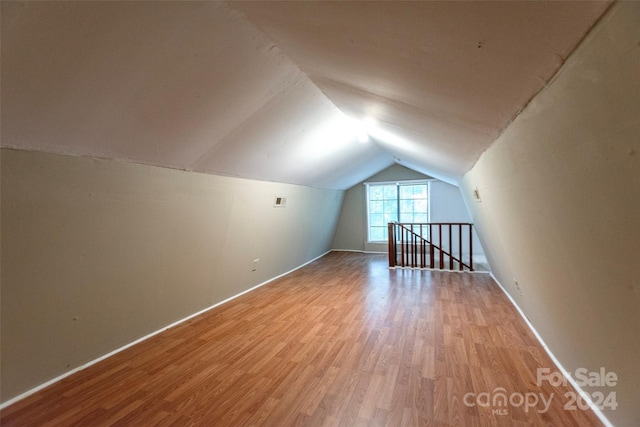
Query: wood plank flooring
[[343, 341]]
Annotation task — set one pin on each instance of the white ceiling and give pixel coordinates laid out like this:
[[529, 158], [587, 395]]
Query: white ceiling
[[279, 91]]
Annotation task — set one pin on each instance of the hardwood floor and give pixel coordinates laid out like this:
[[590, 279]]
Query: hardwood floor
[[342, 341]]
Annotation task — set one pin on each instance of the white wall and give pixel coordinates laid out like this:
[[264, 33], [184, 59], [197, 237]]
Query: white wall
[[560, 209], [98, 253]]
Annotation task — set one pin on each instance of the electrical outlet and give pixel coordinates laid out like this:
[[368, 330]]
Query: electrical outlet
[[254, 266]]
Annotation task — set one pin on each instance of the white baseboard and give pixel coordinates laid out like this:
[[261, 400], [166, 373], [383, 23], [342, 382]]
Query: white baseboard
[[358, 251], [139, 340], [438, 269], [564, 372]]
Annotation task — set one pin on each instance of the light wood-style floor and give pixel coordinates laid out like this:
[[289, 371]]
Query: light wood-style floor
[[342, 341]]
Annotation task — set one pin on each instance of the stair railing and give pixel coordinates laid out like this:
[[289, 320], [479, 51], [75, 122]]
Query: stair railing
[[415, 245]]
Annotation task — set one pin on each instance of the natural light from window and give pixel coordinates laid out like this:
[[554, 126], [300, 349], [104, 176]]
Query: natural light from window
[[406, 202]]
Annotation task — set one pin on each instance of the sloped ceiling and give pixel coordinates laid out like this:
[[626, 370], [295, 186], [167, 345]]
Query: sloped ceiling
[[279, 91]]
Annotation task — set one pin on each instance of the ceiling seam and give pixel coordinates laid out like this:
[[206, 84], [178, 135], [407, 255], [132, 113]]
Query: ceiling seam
[[549, 81]]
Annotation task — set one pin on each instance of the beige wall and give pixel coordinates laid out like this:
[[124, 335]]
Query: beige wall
[[447, 205], [98, 253], [560, 210]]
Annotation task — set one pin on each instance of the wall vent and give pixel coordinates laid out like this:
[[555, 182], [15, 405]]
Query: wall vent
[[280, 202]]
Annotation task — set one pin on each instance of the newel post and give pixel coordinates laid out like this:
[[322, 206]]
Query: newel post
[[392, 245]]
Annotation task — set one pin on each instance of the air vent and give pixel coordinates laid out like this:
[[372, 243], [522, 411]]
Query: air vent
[[280, 202]]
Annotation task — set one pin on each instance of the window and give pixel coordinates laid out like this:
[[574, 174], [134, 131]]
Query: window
[[389, 202]]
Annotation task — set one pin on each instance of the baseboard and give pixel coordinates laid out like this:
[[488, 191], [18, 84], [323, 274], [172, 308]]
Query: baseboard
[[438, 269], [564, 372], [139, 340], [358, 251]]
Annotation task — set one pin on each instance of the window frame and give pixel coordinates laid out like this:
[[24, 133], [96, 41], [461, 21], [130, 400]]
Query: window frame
[[399, 183]]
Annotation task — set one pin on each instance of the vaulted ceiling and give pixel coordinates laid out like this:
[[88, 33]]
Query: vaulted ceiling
[[323, 94]]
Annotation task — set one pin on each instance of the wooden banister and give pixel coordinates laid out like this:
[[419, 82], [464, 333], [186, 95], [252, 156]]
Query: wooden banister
[[408, 245]]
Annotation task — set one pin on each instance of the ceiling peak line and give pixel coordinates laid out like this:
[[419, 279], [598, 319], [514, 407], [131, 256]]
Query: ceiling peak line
[[406, 106], [281, 91]]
